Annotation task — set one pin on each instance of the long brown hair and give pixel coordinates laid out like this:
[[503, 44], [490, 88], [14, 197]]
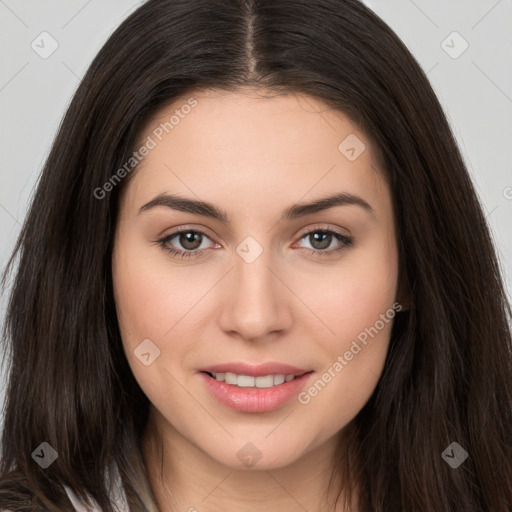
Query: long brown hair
[[448, 371]]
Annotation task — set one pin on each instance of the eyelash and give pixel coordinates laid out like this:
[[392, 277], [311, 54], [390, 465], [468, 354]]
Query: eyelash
[[346, 242]]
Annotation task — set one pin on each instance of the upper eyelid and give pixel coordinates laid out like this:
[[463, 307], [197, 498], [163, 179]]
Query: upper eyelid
[[186, 229]]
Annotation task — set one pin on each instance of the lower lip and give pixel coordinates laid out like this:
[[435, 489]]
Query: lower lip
[[255, 399]]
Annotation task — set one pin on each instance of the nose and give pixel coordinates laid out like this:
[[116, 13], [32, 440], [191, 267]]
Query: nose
[[257, 303]]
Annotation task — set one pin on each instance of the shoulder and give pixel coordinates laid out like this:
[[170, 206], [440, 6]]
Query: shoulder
[[78, 505], [16, 495], [117, 497]]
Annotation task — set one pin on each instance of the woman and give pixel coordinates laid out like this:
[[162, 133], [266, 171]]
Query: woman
[[366, 371]]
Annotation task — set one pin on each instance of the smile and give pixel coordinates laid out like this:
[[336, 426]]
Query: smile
[[248, 381]]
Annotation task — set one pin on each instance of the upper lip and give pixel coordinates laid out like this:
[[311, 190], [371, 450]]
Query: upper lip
[[255, 370]]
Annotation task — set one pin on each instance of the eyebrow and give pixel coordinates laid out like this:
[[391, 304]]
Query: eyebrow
[[295, 211]]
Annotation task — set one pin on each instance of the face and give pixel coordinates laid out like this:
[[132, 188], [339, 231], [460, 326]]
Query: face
[[257, 288]]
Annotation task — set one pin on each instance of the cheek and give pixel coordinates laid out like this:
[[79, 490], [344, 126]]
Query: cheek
[[150, 296], [159, 301], [359, 306], [149, 301], [361, 288], [139, 299]]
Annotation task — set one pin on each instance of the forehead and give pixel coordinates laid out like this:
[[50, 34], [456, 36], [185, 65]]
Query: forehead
[[249, 142]]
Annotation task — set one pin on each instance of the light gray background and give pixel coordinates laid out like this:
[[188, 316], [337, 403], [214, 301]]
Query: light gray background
[[475, 89]]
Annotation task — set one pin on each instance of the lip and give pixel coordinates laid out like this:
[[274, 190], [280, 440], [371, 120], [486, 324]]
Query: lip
[[255, 400], [260, 370]]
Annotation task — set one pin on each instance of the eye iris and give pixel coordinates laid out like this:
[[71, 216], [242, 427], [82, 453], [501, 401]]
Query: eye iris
[[323, 244], [190, 238]]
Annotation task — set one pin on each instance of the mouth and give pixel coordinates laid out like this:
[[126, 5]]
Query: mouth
[[250, 381], [261, 393]]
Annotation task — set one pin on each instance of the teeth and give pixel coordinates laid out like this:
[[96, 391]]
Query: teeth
[[279, 379], [246, 381], [231, 378]]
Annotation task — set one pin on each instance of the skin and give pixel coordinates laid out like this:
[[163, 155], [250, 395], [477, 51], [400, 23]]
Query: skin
[[253, 157]]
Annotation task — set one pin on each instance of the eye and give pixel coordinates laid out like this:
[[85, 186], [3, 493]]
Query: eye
[[190, 239], [321, 239]]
